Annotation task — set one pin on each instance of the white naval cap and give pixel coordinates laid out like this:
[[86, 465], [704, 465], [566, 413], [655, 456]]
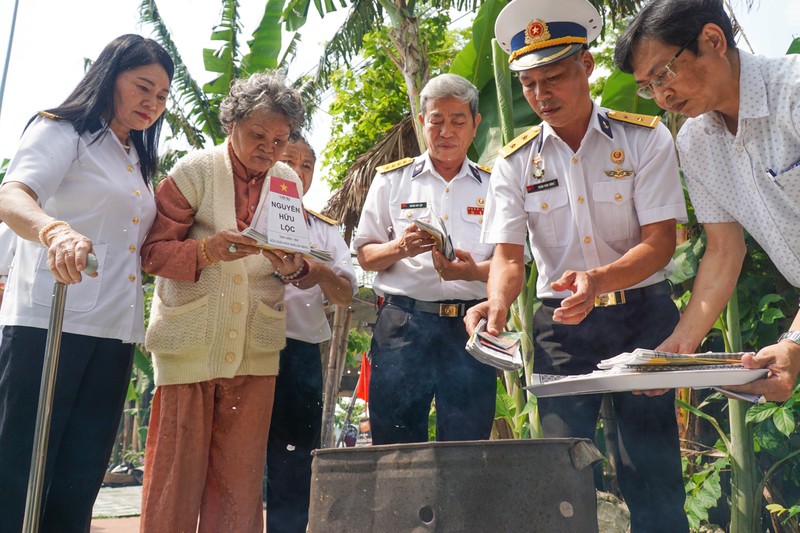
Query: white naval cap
[[537, 32]]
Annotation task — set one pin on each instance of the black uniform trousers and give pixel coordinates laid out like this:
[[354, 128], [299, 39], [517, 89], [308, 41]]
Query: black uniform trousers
[[416, 356], [293, 433], [650, 474], [91, 386]]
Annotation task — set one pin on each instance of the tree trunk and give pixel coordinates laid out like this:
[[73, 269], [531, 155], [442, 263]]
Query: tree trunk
[[333, 372], [412, 62]]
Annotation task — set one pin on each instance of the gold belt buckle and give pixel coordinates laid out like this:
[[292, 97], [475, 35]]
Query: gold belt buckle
[[448, 310], [609, 299]]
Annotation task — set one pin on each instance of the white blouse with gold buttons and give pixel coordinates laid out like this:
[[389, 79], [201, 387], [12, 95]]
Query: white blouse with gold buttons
[[98, 189]]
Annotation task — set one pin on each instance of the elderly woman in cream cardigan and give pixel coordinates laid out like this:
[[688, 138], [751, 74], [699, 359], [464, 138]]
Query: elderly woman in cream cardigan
[[217, 322]]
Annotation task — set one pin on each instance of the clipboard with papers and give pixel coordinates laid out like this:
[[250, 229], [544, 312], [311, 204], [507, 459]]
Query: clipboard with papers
[[649, 369]]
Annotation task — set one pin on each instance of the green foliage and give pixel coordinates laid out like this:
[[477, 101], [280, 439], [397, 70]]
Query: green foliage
[[703, 489], [3, 168], [357, 344], [368, 101], [794, 48], [517, 419]]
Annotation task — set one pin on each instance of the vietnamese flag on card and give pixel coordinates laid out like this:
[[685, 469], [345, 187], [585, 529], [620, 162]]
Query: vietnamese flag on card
[[282, 186]]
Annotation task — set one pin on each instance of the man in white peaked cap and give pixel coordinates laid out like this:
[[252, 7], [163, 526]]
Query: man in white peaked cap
[[598, 194]]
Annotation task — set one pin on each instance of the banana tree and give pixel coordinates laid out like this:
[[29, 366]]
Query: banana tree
[[193, 112]]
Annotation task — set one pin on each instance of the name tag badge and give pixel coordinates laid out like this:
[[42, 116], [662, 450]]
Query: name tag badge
[[542, 186], [474, 210], [413, 205]]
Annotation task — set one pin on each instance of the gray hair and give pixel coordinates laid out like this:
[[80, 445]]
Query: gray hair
[[262, 90], [449, 86]]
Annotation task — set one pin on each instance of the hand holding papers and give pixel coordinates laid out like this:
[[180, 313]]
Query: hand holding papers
[[279, 222], [649, 369], [500, 351], [436, 229]]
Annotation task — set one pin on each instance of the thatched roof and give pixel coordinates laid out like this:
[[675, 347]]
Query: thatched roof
[[348, 201]]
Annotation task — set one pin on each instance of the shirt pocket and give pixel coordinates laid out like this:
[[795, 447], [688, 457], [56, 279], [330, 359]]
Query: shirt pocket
[[466, 234], [402, 218], [550, 216], [790, 181], [615, 216], [179, 330], [267, 332], [81, 297]]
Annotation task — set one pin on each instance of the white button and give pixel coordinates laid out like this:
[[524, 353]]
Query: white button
[[237, 279], [230, 356], [232, 334]]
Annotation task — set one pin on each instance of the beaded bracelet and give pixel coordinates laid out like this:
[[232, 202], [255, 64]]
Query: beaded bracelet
[[297, 275], [47, 228], [204, 253]]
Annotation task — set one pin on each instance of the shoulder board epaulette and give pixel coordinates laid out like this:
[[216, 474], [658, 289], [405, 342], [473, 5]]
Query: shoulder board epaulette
[[49, 115], [484, 168], [400, 163], [323, 218], [648, 121], [519, 142]]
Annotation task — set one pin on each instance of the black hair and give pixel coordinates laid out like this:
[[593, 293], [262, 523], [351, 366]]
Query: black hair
[[673, 22], [93, 98]]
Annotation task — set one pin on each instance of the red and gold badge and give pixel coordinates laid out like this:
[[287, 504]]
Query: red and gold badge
[[536, 31], [617, 157]]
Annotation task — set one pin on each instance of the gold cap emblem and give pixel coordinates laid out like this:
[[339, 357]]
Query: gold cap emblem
[[617, 156], [536, 31]]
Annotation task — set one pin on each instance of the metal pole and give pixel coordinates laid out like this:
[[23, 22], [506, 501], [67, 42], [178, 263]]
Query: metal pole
[[8, 54], [41, 435], [47, 389]]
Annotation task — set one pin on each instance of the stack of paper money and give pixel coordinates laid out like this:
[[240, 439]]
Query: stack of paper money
[[436, 229], [655, 361], [500, 351]]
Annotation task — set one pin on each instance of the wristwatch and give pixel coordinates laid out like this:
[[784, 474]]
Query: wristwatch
[[793, 336]]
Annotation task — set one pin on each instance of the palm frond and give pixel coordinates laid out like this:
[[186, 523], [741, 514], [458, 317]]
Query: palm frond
[[265, 46], [187, 93], [291, 52], [365, 16], [225, 59]]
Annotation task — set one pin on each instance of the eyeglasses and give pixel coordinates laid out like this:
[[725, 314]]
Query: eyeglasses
[[664, 77]]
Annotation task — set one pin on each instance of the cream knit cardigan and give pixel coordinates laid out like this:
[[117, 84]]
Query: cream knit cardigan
[[231, 321]]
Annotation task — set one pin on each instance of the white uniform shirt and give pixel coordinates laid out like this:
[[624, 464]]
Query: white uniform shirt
[[98, 189], [729, 177], [416, 190], [8, 245], [305, 317], [585, 209]]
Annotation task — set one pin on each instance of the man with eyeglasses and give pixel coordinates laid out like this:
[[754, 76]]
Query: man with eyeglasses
[[597, 193], [740, 152]]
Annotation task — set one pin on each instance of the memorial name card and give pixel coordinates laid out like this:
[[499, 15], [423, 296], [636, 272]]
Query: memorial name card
[[279, 222]]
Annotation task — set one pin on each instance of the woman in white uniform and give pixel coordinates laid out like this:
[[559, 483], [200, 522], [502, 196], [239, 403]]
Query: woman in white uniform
[[78, 184]]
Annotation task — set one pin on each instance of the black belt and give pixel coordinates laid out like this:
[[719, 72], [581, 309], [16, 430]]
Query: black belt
[[452, 308], [621, 297]]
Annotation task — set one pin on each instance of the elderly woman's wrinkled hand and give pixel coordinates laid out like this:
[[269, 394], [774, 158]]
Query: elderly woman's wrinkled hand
[[229, 245], [67, 252], [284, 264]]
